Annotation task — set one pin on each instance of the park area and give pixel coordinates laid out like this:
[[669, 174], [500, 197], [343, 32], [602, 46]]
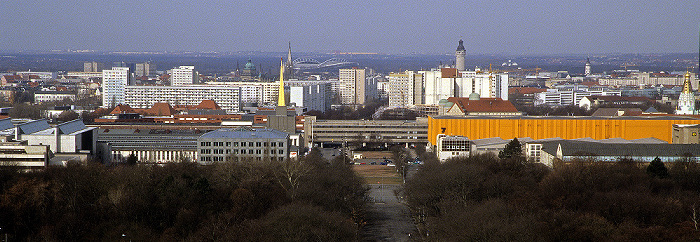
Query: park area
[[378, 174]]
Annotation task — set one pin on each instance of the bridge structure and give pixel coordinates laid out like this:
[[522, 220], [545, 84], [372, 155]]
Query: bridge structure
[[309, 63]]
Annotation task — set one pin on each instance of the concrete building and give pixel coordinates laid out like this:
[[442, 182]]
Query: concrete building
[[39, 74], [405, 89], [114, 83], [53, 96], [312, 95], [364, 132], [686, 134], [449, 82], [354, 89], [151, 145], [452, 146], [648, 79], [571, 95], [145, 69], [184, 75], [242, 144], [93, 66], [226, 96]]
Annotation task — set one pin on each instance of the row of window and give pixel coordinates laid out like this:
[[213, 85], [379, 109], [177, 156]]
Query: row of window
[[242, 144], [241, 151]]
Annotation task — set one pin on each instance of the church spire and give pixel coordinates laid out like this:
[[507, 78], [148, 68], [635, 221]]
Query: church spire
[[687, 88], [289, 54], [280, 100]]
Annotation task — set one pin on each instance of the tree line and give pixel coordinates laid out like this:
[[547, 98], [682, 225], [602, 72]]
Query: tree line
[[485, 198], [308, 199]]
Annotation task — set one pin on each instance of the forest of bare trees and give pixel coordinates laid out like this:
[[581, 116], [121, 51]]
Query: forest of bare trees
[[241, 201], [484, 198]]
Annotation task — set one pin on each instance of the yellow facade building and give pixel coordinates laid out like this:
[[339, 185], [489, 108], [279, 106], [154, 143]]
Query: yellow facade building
[[481, 127]]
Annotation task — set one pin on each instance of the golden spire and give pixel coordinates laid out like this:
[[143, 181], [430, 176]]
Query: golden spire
[[686, 84], [280, 100]]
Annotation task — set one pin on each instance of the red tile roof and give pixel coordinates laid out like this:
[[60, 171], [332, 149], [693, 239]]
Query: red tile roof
[[161, 109], [122, 108], [207, 104], [449, 72], [483, 105]]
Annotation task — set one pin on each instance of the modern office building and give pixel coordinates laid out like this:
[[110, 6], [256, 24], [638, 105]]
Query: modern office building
[[114, 82], [184, 75], [243, 144]]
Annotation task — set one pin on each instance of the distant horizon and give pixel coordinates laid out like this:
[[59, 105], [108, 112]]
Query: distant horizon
[[517, 27], [146, 52]]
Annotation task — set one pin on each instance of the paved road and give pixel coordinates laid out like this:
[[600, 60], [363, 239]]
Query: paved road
[[389, 219]]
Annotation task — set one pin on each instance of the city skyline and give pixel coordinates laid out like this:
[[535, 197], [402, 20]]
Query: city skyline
[[516, 27]]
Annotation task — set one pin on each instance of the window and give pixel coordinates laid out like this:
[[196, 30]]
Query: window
[[235, 144], [228, 143], [264, 144], [258, 144], [272, 152], [281, 144], [258, 152], [273, 144], [281, 152], [250, 144], [243, 144], [243, 152]]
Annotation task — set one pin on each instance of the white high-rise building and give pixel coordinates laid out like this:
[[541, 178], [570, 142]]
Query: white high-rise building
[[405, 89], [113, 83], [448, 82], [587, 69], [354, 89], [228, 97], [184, 75]]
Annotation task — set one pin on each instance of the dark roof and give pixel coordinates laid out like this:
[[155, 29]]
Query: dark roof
[[583, 148], [614, 112]]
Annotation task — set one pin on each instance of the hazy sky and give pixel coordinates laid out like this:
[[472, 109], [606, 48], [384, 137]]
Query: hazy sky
[[487, 27]]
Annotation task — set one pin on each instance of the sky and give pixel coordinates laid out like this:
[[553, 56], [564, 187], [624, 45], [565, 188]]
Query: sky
[[516, 27]]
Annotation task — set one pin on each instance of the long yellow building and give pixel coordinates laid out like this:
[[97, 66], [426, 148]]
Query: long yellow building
[[542, 127]]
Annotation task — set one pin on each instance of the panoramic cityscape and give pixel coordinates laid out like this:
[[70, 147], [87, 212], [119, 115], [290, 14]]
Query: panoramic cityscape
[[373, 121]]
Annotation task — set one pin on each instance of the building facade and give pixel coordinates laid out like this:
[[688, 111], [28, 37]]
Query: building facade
[[405, 89], [184, 75], [354, 89], [242, 144], [114, 82]]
